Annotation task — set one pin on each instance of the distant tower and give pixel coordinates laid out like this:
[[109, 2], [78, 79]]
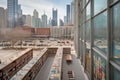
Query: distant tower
[[35, 19], [12, 6], [44, 20], [68, 14], [61, 23], [54, 17], [72, 12], [2, 17]]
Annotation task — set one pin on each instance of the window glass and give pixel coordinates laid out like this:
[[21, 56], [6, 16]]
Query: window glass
[[83, 3], [87, 1], [113, 1], [88, 32], [99, 67], [87, 59], [100, 31], [88, 11], [116, 32], [81, 32], [99, 5], [83, 53], [115, 74]]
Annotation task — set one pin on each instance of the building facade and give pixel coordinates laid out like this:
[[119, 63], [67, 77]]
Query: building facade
[[72, 12], [54, 17], [35, 19], [68, 14], [44, 20], [97, 37], [12, 6], [28, 20], [64, 32], [61, 23], [2, 17]]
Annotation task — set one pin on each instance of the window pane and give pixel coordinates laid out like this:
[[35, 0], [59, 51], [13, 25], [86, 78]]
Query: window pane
[[83, 54], [88, 11], [113, 1], [99, 5], [87, 59], [99, 67], [100, 31], [81, 32], [116, 32], [87, 1], [115, 74], [88, 32]]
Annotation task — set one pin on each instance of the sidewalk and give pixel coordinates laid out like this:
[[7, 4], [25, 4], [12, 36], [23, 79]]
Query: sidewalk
[[74, 66]]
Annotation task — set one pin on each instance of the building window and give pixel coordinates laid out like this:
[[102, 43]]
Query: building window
[[115, 74], [100, 31], [99, 5], [88, 59], [99, 67], [88, 32], [88, 11], [87, 1], [116, 32], [112, 1], [83, 53]]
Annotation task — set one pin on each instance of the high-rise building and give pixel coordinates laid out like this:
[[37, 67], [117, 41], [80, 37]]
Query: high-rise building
[[72, 12], [19, 11], [61, 23], [65, 20], [54, 17], [44, 20], [40, 23], [12, 6], [2, 17], [28, 20], [50, 22], [68, 14], [35, 19]]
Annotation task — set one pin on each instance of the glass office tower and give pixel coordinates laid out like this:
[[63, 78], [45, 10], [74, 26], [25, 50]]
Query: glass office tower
[[12, 6], [99, 38]]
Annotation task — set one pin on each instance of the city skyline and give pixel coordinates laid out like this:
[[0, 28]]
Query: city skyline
[[46, 5]]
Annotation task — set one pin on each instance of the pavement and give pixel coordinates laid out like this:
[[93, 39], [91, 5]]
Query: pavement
[[74, 66], [45, 70]]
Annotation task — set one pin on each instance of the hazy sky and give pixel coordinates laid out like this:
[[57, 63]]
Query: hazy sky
[[40, 5]]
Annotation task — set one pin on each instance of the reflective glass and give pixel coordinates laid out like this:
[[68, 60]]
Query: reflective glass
[[99, 67], [116, 32], [115, 74], [87, 59], [88, 11], [99, 5], [88, 32], [100, 31]]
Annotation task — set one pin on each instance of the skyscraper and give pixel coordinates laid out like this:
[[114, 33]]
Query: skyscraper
[[54, 17], [65, 20], [68, 14], [2, 17], [61, 23], [28, 20], [44, 20], [72, 12], [35, 19], [19, 11], [12, 6]]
